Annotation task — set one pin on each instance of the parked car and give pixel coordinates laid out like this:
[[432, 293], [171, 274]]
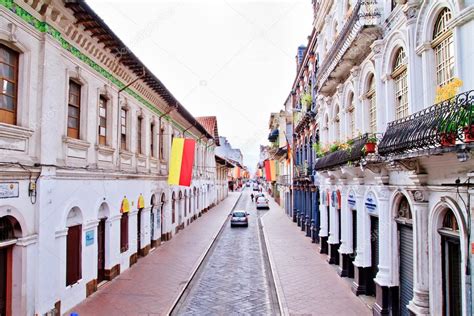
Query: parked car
[[262, 203], [259, 195], [255, 187], [239, 218]]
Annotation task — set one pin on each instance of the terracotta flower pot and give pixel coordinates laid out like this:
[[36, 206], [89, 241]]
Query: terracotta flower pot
[[448, 139], [469, 133], [370, 148]]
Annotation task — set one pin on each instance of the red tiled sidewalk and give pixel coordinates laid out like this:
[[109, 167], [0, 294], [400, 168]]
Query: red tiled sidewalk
[[151, 286], [306, 283]]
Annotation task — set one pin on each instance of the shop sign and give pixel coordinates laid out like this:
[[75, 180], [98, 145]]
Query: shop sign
[[351, 200], [371, 203], [89, 238], [9, 190]]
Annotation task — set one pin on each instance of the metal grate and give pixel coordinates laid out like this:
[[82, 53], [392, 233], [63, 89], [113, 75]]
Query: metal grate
[[341, 157], [426, 128]]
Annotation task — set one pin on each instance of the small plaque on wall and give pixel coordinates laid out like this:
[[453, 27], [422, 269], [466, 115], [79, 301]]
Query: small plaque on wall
[[9, 190], [89, 238]]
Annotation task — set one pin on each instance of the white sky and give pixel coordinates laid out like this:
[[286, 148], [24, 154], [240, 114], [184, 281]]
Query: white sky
[[231, 58]]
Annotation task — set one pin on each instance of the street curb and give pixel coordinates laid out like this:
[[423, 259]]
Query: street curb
[[200, 261], [276, 280]]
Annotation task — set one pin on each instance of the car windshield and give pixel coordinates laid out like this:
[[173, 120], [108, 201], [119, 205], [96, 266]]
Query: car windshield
[[238, 214], [261, 199]]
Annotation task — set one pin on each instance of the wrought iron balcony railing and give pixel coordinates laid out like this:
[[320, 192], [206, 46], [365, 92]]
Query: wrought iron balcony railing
[[442, 124], [343, 156], [303, 170]]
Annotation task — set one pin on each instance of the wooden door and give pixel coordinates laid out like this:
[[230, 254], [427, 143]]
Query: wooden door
[[5, 281], [139, 225], [101, 251]]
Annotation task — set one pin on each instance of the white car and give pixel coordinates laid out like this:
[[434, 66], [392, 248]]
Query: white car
[[262, 203]]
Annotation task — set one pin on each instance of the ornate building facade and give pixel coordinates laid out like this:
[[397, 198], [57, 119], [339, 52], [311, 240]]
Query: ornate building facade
[[393, 143], [85, 136]]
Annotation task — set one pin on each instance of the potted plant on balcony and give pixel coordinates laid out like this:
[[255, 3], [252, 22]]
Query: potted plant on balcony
[[448, 130], [306, 100], [370, 143], [467, 120], [334, 147]]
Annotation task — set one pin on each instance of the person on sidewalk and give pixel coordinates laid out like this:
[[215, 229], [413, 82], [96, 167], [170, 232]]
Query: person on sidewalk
[[251, 196]]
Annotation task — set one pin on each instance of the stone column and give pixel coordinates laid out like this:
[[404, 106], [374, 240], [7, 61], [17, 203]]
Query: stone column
[[420, 302], [345, 250], [333, 229], [324, 229]]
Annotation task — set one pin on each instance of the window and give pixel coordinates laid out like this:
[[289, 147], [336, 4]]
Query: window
[[74, 110], [443, 46], [162, 132], [336, 125], [73, 255], [152, 140], [123, 129], [399, 75], [9, 80], [350, 111], [124, 232], [139, 135], [102, 120], [372, 105]]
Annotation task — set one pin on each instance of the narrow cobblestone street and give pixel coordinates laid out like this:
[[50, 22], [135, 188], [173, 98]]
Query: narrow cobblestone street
[[235, 277], [151, 286]]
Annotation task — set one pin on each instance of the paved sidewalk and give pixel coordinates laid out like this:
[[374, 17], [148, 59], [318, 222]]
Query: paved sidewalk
[[307, 284], [151, 286]]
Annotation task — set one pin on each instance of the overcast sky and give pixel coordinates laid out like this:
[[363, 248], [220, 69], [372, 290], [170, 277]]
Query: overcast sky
[[234, 59]]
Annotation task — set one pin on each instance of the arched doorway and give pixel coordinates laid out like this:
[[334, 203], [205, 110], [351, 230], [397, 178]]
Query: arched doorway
[[101, 241], [161, 217], [153, 236], [404, 220], [74, 246], [180, 211], [451, 264], [10, 230]]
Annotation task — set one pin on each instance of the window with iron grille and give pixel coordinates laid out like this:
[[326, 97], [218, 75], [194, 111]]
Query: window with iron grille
[[161, 140], [9, 80], [74, 110], [350, 110], [102, 120], [443, 46], [123, 129], [399, 75]]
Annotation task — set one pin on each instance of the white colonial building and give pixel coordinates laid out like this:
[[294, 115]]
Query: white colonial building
[[398, 219], [85, 135]]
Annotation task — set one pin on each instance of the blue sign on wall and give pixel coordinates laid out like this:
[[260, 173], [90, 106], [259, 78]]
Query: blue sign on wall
[[89, 237], [371, 203], [351, 200]]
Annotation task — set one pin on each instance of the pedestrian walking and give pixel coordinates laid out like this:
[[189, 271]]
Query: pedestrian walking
[[251, 196]]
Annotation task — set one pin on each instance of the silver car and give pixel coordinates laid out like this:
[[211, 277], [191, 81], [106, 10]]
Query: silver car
[[262, 203], [239, 218]]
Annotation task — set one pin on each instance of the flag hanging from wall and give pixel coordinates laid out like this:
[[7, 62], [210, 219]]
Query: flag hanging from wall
[[141, 202], [181, 161], [125, 206], [270, 170]]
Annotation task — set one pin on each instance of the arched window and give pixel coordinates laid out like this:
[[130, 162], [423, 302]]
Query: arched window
[[450, 223], [6, 229], [404, 211], [370, 94], [351, 115], [337, 124], [399, 75], [9, 80], [443, 46]]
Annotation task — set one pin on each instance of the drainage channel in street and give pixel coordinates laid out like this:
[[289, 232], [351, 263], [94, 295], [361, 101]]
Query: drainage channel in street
[[235, 275]]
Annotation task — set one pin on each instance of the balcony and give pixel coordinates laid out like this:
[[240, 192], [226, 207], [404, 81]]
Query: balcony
[[350, 47], [440, 126], [273, 136], [343, 156], [303, 170], [284, 180]]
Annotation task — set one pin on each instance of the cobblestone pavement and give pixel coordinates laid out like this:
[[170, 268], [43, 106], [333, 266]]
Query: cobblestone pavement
[[235, 277], [151, 286], [306, 283]]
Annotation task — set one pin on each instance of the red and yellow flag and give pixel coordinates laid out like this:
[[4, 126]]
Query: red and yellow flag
[[181, 162], [270, 170], [125, 206]]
